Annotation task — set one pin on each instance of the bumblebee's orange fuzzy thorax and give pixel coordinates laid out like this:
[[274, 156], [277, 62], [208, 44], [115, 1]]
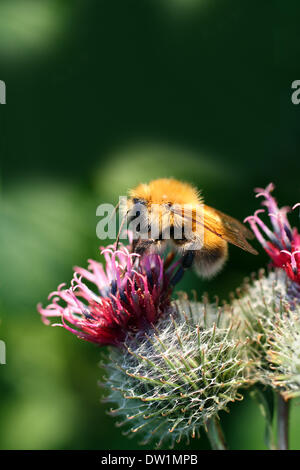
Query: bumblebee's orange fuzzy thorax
[[166, 190]]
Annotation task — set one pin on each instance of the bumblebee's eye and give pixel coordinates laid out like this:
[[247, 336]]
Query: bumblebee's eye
[[136, 200]]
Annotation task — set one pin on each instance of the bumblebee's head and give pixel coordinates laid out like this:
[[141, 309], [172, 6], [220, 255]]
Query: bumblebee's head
[[151, 206], [145, 216], [165, 191]]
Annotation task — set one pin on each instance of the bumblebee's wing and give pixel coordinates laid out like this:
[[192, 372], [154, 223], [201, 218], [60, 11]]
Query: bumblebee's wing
[[220, 224], [230, 229]]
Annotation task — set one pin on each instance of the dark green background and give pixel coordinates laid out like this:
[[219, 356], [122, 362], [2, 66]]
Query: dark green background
[[102, 95]]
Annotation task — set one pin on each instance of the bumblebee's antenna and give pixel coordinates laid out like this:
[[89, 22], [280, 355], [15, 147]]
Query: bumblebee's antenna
[[120, 229], [114, 211]]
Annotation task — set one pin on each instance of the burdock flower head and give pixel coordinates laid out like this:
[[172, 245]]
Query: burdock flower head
[[270, 305], [272, 323], [167, 385], [105, 304]]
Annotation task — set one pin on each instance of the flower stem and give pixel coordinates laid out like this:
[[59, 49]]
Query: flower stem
[[283, 408], [215, 435]]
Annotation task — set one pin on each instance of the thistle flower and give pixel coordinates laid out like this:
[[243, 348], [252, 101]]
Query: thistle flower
[[282, 243], [283, 354], [272, 322], [258, 301], [270, 305], [105, 304], [171, 382]]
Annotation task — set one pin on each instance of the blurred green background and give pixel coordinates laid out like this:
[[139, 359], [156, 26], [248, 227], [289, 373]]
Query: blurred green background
[[102, 95]]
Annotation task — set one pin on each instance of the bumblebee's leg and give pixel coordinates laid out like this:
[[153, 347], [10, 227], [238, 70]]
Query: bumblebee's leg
[[186, 262], [177, 276], [188, 259]]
